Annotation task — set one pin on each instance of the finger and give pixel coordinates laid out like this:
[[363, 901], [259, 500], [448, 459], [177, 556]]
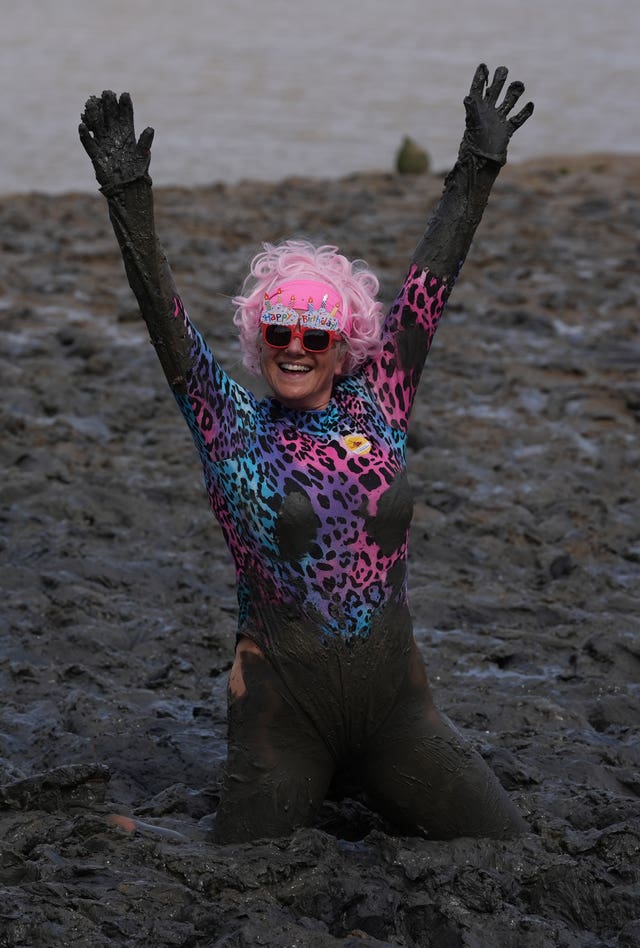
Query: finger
[[126, 110], [471, 106], [92, 115], [87, 140], [479, 81], [521, 117], [499, 79], [512, 95], [109, 108], [144, 142]]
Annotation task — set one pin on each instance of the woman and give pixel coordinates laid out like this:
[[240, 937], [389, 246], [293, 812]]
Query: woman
[[310, 488]]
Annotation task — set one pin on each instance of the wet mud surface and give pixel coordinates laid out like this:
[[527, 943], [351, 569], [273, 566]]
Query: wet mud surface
[[118, 608]]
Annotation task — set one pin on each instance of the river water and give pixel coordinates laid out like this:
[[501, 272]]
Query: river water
[[277, 88]]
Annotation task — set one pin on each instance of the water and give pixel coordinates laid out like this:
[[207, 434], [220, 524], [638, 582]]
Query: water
[[273, 88]]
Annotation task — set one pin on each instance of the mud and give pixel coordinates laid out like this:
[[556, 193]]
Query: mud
[[118, 609]]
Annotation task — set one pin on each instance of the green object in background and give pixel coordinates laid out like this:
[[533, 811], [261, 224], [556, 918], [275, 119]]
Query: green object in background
[[411, 158]]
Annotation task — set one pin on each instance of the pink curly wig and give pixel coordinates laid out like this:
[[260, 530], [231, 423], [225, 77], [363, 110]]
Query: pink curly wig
[[298, 259]]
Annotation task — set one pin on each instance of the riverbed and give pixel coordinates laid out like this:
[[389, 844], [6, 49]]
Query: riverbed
[[119, 607]]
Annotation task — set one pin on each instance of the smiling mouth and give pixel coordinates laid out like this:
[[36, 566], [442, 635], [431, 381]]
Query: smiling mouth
[[293, 367]]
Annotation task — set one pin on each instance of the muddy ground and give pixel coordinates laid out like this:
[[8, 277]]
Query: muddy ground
[[118, 604]]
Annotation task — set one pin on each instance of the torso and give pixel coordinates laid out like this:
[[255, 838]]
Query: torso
[[316, 511], [315, 506]]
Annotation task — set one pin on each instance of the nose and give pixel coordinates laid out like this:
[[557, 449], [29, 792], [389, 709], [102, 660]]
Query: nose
[[295, 346]]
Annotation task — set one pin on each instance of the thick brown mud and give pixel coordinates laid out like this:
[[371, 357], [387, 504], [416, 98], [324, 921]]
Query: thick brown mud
[[118, 603]]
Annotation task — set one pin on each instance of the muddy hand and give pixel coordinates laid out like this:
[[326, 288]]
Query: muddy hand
[[488, 127], [108, 136]]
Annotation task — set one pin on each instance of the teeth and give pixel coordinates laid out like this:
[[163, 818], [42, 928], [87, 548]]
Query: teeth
[[289, 367]]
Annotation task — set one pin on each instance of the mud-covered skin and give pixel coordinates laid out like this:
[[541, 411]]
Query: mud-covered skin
[[316, 522], [360, 711], [483, 150]]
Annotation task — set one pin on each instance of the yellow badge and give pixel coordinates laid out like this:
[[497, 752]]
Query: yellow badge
[[357, 444]]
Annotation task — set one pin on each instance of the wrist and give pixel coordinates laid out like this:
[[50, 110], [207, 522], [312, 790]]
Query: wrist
[[471, 149], [115, 187]]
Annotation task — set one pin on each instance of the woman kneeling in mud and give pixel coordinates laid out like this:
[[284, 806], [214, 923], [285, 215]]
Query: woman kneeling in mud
[[310, 488]]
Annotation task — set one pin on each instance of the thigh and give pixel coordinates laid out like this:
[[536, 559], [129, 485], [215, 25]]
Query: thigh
[[426, 778], [278, 767]]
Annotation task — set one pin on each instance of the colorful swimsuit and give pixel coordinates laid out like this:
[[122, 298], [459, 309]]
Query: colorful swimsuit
[[315, 505]]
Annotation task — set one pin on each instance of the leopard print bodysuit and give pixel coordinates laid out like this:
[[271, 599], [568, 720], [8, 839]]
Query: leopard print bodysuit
[[315, 506]]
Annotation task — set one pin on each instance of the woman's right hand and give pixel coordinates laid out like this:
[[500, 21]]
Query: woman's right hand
[[108, 136]]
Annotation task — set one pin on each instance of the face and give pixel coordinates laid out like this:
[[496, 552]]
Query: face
[[299, 379]]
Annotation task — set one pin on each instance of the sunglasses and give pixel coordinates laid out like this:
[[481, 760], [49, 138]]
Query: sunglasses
[[313, 340]]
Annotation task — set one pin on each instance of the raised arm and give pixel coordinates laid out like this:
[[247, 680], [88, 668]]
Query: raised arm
[[482, 153], [121, 165], [436, 262]]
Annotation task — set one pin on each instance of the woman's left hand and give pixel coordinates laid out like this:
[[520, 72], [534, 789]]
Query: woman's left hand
[[489, 128]]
